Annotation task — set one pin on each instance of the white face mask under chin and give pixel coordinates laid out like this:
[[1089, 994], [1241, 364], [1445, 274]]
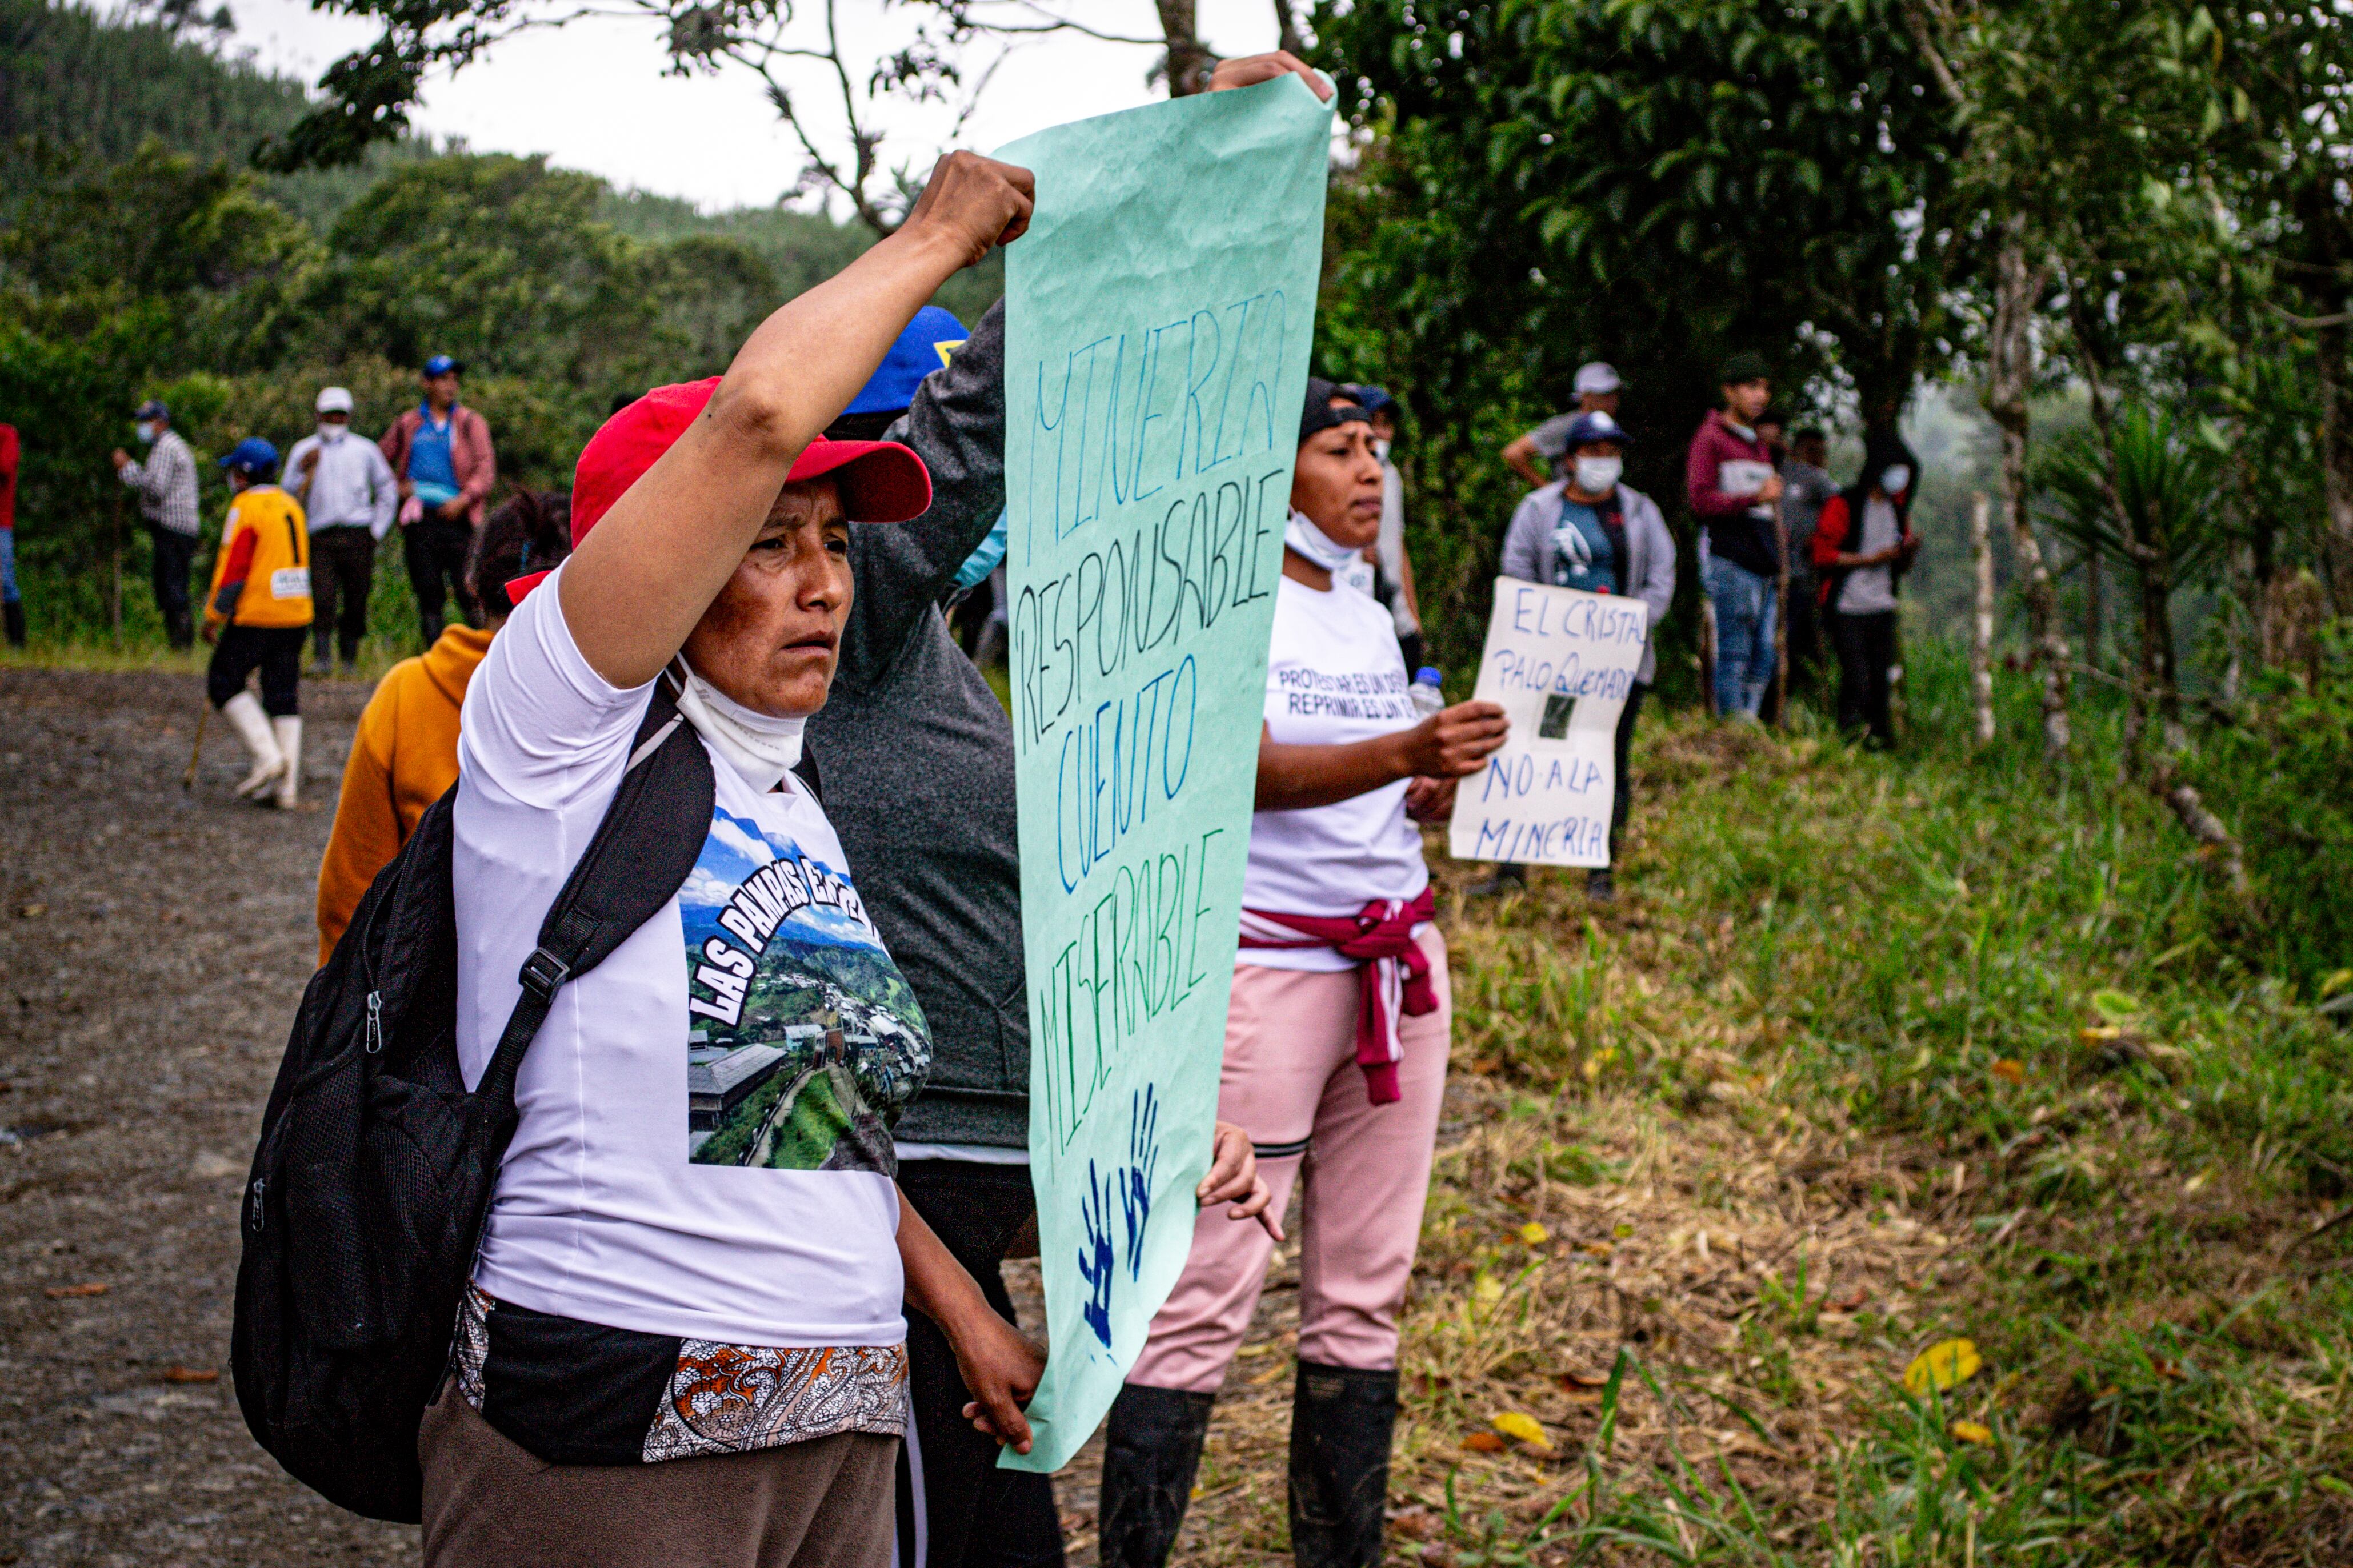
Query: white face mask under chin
[[760, 746], [1301, 534]]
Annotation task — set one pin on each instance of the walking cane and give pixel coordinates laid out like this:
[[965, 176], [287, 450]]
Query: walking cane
[[188, 781]]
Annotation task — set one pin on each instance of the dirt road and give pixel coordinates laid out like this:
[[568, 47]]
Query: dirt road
[[152, 946]]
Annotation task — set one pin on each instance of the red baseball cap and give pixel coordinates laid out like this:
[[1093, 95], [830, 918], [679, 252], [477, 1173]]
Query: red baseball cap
[[881, 481]]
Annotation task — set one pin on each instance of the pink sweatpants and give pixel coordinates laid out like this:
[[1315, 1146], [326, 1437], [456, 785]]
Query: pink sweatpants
[[1290, 1074]]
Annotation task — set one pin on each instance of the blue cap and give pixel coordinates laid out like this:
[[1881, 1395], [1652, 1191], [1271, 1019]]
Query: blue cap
[[1372, 399], [921, 349], [153, 409], [1428, 676], [253, 456], [441, 365], [1595, 426]]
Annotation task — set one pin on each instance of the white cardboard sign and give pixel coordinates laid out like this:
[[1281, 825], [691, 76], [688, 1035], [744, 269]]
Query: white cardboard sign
[[1560, 661]]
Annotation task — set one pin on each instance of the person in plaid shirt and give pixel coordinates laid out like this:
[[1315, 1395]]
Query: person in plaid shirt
[[166, 487]]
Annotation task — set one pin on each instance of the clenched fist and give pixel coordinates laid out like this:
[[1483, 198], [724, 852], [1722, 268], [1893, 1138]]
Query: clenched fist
[[973, 204]]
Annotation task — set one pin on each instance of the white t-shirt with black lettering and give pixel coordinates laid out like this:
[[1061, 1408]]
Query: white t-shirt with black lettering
[[704, 1147], [1334, 677]]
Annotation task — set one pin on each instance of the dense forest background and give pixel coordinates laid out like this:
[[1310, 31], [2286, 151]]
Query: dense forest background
[[2094, 258], [141, 254]]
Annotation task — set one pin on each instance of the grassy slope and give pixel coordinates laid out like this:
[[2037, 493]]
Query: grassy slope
[[1877, 1053]]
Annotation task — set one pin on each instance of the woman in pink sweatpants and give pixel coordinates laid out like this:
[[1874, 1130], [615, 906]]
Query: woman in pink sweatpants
[[1335, 1040]]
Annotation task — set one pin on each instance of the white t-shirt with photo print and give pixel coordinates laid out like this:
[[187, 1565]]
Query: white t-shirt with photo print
[[1334, 677], [704, 1147]]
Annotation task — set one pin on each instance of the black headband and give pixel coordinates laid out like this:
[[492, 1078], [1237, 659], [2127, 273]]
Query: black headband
[[1319, 414]]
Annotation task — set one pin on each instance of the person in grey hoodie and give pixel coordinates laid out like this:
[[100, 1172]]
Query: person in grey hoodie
[[1586, 530]]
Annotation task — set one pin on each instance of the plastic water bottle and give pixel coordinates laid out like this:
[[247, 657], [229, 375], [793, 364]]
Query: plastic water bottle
[[1426, 698]]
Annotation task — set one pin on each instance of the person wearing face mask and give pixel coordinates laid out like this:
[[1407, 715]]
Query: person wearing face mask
[[1586, 530], [683, 1341], [166, 483], [1337, 1035], [1863, 544], [348, 492], [1598, 387], [1729, 478]]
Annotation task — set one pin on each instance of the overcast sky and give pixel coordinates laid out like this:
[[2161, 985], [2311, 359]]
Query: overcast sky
[[593, 96]]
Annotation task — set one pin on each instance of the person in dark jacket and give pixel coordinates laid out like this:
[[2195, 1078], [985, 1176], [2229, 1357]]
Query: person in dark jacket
[[915, 757], [1862, 546]]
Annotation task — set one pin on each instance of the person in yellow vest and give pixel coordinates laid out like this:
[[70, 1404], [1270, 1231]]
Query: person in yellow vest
[[405, 756], [257, 613]]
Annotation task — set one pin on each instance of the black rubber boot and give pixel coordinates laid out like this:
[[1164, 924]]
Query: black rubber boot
[[15, 619], [1506, 878], [1341, 1422], [1151, 1450]]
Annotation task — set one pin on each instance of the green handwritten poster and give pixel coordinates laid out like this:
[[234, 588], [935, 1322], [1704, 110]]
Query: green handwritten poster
[[1158, 318]]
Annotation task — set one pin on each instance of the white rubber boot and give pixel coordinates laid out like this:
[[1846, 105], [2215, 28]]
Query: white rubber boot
[[290, 742], [252, 726]]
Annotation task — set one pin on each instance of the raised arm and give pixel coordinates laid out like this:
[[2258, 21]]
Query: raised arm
[[956, 425], [638, 583]]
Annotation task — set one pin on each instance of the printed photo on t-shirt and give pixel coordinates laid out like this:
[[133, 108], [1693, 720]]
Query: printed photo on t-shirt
[[803, 1041]]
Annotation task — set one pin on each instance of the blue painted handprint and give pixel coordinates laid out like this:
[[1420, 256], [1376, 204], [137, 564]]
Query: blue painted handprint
[[1135, 1182], [1095, 1262]]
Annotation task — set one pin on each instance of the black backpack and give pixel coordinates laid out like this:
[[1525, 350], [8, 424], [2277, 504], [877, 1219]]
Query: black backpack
[[375, 1167]]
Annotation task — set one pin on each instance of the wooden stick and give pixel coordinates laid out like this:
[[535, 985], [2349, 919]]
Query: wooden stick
[[188, 780], [1981, 626]]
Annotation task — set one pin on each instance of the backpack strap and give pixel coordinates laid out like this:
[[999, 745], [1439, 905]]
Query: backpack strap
[[642, 852]]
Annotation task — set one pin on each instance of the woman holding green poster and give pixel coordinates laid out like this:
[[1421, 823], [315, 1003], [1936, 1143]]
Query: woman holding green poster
[[1336, 1036]]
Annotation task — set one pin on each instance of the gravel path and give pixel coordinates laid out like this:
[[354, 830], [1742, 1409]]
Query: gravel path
[[152, 947]]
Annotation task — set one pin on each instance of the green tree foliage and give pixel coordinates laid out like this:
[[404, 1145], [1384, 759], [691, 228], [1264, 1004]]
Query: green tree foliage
[[141, 255], [1656, 185], [105, 86], [501, 261]]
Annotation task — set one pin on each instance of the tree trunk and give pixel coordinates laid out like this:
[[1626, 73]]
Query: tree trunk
[[1189, 62], [2336, 452], [1981, 624], [2009, 366], [2095, 606], [1286, 29], [2322, 268]]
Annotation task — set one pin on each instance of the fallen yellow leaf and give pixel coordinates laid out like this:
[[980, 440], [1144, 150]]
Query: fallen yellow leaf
[[1973, 1432], [2009, 1071], [1534, 1235], [1512, 1424], [1489, 1288], [2099, 1032], [1942, 1365]]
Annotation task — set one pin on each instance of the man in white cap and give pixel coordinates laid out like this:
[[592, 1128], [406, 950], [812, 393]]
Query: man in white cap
[[349, 493], [1597, 387]]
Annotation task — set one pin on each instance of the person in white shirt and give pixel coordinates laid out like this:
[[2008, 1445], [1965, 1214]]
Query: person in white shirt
[[683, 1341], [348, 492], [1336, 1036]]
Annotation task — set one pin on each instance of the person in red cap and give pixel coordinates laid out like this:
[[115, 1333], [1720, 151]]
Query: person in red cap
[[683, 1342]]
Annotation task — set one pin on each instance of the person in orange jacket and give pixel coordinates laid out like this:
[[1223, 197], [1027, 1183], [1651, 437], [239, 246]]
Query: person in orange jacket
[[257, 613], [405, 756]]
